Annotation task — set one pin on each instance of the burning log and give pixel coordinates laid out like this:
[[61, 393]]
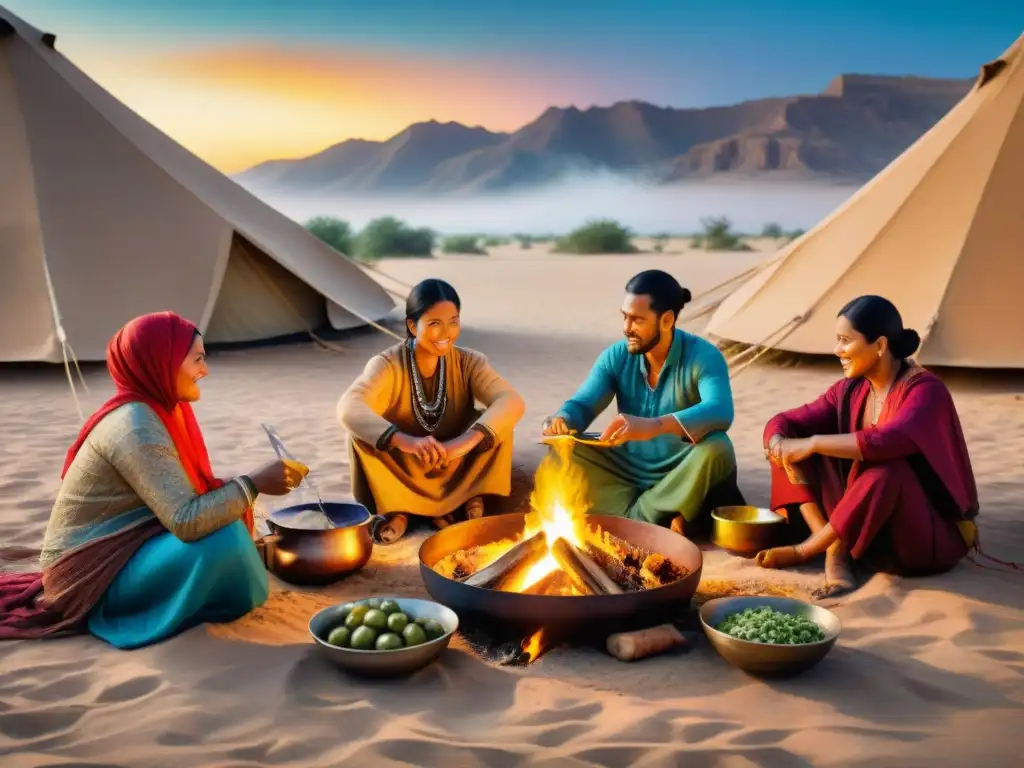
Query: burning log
[[522, 555], [632, 646], [587, 576], [551, 584]]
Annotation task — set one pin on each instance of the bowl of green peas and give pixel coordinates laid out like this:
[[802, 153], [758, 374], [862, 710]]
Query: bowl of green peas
[[769, 636]]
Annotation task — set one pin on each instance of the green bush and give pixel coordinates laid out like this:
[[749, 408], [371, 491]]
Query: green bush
[[794, 235], [718, 236], [335, 232], [773, 230], [387, 236], [525, 241], [462, 244], [660, 241], [600, 236], [494, 242]]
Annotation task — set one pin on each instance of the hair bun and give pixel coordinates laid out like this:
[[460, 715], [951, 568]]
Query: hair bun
[[685, 295], [907, 343]]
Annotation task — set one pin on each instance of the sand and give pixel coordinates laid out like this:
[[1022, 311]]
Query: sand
[[927, 671]]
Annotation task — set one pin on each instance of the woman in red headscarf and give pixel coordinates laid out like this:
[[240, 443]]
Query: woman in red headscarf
[[143, 541]]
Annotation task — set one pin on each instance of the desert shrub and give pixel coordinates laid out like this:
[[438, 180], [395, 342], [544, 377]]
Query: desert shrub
[[718, 236], [525, 241], [387, 236], [335, 232], [493, 242], [773, 230], [600, 236], [790, 237], [462, 244], [660, 241]]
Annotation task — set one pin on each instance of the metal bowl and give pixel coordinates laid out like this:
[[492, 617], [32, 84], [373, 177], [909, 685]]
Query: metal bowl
[[401, 661], [769, 659], [589, 615], [745, 531]]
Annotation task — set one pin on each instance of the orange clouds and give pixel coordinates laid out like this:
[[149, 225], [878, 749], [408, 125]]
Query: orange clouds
[[238, 105]]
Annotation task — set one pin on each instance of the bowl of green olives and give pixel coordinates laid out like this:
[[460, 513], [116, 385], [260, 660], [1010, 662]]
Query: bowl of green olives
[[382, 636]]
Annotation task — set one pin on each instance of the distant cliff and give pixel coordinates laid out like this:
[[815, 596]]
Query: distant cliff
[[851, 130]]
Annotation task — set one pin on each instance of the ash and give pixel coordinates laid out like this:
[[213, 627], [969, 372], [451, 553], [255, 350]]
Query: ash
[[634, 568]]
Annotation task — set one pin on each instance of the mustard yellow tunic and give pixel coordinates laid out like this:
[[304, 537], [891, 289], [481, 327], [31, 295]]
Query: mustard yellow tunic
[[379, 402]]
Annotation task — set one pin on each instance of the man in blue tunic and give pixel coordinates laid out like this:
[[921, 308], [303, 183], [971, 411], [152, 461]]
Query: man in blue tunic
[[667, 446]]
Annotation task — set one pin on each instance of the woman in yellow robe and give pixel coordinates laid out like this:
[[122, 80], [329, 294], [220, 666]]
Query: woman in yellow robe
[[418, 445]]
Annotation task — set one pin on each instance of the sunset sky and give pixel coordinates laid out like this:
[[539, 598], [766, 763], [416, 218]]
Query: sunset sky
[[241, 81]]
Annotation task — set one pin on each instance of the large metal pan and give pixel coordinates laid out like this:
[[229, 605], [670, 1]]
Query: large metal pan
[[568, 614], [313, 556]]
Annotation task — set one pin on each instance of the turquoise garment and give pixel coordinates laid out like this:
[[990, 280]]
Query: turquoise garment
[[693, 387], [170, 585], [656, 480]]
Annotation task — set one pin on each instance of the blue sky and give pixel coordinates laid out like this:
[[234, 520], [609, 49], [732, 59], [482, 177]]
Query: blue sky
[[543, 52]]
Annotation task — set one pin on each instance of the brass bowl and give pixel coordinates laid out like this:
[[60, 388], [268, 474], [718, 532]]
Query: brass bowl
[[401, 661], [769, 659], [745, 531]]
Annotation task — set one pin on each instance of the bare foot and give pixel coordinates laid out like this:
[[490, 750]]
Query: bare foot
[[391, 529], [779, 557], [441, 522], [839, 577], [474, 508], [678, 525]]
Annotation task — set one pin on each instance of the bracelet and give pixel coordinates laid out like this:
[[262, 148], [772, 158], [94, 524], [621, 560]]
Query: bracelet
[[248, 488], [384, 441], [489, 437]]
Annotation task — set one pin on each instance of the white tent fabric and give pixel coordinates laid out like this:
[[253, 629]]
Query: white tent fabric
[[939, 232], [103, 218]]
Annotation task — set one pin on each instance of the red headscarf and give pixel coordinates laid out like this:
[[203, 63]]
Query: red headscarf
[[144, 358]]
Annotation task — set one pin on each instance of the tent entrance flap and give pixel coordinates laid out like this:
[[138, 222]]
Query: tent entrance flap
[[260, 299]]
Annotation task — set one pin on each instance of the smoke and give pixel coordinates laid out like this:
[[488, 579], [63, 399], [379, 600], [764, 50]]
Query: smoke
[[557, 208]]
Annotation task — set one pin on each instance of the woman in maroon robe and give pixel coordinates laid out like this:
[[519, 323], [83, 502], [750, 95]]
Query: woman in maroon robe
[[877, 465]]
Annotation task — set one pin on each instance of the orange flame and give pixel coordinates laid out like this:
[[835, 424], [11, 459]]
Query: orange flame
[[558, 507], [534, 646]]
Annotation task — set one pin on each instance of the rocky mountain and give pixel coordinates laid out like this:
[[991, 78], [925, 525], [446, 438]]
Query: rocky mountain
[[851, 130], [405, 161]]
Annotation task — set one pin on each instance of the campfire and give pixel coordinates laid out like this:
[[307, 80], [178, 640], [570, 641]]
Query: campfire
[[559, 552]]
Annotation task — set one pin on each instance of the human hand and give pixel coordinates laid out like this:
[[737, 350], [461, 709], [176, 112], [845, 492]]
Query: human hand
[[278, 477], [623, 429], [554, 425], [792, 450], [427, 449], [458, 447]]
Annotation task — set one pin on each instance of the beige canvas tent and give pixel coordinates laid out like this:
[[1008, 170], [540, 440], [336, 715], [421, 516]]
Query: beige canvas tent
[[103, 217], [940, 232]]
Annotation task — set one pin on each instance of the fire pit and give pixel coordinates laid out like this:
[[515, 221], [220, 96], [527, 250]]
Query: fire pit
[[560, 569]]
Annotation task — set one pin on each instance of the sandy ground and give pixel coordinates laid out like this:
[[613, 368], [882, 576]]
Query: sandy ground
[[927, 672]]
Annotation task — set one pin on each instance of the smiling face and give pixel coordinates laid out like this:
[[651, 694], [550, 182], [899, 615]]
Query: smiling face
[[437, 329], [193, 368], [856, 354], [641, 326]]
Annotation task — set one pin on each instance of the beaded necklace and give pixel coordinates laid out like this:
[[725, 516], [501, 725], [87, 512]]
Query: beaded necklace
[[428, 414]]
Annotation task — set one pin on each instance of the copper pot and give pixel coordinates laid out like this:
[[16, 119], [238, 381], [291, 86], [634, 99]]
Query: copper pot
[[315, 556]]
